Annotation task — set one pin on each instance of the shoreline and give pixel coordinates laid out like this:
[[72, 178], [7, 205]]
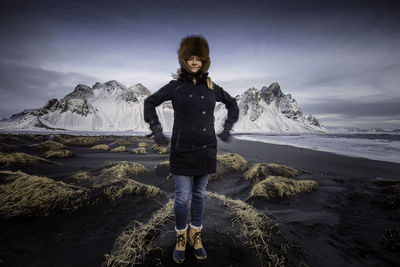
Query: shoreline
[[309, 159], [362, 148]]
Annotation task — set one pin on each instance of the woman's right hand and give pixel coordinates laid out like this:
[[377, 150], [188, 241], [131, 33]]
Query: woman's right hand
[[160, 138]]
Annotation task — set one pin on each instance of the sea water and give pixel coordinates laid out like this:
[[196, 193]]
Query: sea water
[[385, 147]]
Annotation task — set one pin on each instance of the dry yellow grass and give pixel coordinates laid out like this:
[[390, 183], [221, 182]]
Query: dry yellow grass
[[32, 137], [82, 176], [10, 138], [101, 147], [118, 149], [122, 170], [21, 158], [82, 141], [49, 145], [131, 187], [120, 142], [229, 163], [142, 144], [140, 151], [281, 187], [136, 241], [59, 139], [64, 153], [255, 229], [115, 182], [260, 171], [28, 195], [160, 149]]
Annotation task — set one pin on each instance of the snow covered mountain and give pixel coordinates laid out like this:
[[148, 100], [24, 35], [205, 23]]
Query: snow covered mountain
[[111, 106]]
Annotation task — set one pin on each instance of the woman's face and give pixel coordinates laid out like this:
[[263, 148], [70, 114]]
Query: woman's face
[[194, 63]]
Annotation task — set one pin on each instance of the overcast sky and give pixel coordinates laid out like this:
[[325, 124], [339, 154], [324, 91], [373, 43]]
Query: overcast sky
[[339, 59]]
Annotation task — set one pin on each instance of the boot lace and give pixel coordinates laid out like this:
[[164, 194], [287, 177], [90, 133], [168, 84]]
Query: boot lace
[[180, 239], [197, 238]]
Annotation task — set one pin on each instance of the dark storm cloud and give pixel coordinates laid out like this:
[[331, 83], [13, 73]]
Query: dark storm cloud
[[347, 50], [25, 87]]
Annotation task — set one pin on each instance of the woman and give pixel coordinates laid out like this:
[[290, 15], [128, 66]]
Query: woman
[[193, 142]]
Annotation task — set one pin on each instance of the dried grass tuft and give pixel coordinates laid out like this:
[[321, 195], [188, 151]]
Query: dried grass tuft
[[260, 171], [160, 149], [20, 158], [142, 144], [28, 195], [135, 242], [229, 163], [10, 138], [122, 170], [140, 151], [64, 153], [114, 182], [118, 149], [255, 229], [120, 142], [49, 145], [101, 147], [281, 187], [131, 187], [83, 141], [59, 139], [82, 176]]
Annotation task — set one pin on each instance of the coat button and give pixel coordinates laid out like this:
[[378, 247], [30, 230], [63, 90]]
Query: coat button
[[204, 113], [190, 95], [202, 97], [204, 129], [204, 146]]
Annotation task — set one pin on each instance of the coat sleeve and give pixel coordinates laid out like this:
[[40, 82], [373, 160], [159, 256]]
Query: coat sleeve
[[154, 100], [230, 103]]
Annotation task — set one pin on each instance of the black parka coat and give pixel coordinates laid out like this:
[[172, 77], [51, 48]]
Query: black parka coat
[[193, 143]]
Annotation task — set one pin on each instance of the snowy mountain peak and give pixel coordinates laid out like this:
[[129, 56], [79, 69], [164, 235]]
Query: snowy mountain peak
[[271, 92], [140, 89], [81, 91], [251, 94], [112, 106], [109, 86]]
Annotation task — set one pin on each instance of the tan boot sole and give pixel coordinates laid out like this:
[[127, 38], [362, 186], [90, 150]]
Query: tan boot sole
[[177, 261], [200, 258]]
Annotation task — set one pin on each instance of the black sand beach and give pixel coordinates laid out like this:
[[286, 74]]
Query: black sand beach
[[351, 220]]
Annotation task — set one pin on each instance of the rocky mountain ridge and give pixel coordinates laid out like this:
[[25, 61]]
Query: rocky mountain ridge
[[112, 106]]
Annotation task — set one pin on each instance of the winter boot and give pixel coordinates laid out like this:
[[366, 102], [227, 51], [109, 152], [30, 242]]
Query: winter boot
[[195, 241], [180, 247]]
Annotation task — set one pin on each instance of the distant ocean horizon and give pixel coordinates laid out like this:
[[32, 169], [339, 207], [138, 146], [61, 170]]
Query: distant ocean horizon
[[384, 147]]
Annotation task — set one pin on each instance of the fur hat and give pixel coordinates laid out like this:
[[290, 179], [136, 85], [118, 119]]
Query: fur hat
[[194, 45]]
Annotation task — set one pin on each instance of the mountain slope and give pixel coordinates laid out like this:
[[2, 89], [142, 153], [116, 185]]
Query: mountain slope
[[111, 106]]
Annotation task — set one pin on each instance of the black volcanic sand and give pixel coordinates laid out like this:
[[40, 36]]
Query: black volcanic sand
[[343, 223]]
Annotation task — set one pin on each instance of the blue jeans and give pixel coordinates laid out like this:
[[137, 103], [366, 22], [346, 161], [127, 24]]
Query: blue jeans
[[183, 189]]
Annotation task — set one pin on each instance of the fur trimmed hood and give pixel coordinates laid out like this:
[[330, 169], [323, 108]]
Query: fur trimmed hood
[[194, 45]]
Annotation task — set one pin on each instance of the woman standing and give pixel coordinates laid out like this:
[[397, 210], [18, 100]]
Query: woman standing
[[193, 143]]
